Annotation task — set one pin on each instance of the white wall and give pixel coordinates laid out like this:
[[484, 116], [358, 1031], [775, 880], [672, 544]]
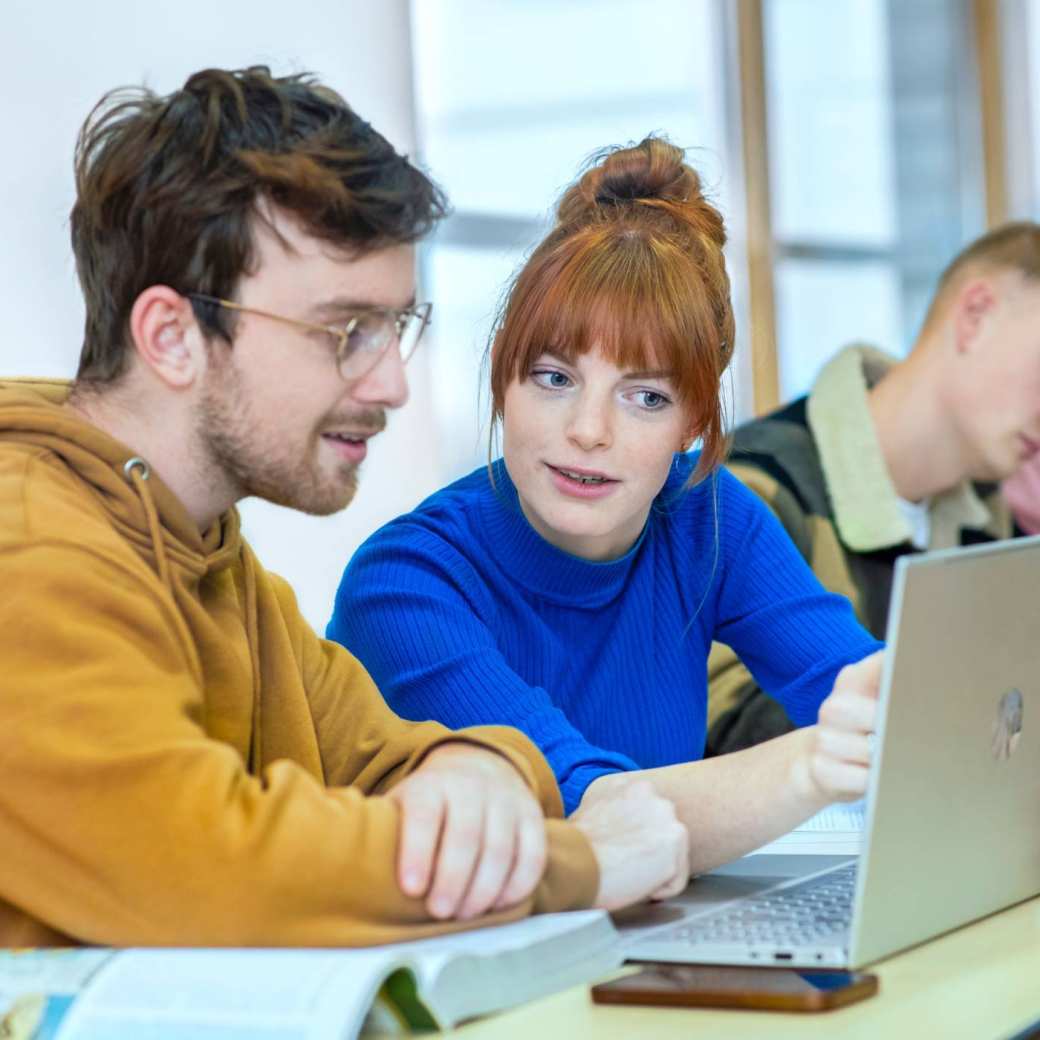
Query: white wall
[[58, 60]]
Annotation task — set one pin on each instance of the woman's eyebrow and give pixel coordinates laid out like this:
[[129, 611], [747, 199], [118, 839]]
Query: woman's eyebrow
[[556, 357], [650, 374]]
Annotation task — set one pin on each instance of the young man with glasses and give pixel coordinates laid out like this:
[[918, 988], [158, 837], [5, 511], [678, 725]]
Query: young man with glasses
[[185, 762]]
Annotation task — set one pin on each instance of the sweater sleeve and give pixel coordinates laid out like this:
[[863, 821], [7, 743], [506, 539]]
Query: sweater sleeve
[[790, 632], [123, 822], [412, 610]]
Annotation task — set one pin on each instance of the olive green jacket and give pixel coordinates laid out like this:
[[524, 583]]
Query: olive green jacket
[[818, 465]]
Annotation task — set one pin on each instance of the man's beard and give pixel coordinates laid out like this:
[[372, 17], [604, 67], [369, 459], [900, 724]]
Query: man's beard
[[255, 460]]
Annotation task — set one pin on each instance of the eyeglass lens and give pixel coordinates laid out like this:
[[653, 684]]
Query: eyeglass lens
[[372, 333]]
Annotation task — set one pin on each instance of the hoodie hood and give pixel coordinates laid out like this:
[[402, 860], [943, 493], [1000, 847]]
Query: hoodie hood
[[141, 507]]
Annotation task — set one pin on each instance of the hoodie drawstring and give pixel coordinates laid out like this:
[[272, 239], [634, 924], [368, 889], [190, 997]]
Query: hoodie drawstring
[[137, 472], [253, 641]]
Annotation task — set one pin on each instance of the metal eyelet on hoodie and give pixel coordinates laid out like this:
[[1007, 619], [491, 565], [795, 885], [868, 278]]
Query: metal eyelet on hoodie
[[136, 463]]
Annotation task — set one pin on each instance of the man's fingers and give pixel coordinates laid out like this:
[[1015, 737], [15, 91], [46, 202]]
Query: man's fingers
[[461, 839], [528, 863], [493, 865], [422, 816]]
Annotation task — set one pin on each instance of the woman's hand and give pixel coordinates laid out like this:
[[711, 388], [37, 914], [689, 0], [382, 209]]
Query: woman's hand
[[641, 847], [836, 763]]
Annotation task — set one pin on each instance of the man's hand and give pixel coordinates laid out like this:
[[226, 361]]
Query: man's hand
[[641, 847], [836, 765], [472, 833]]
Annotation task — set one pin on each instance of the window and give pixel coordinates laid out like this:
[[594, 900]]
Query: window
[[512, 97], [874, 170]]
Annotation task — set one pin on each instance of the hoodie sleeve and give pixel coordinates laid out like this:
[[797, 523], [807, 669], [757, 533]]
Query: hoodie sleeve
[[365, 745], [124, 822]]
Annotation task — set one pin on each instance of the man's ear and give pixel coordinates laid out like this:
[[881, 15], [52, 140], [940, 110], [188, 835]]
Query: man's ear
[[973, 306], [166, 336]]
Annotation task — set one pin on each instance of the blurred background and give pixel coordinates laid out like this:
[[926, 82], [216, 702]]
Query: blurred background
[[853, 146]]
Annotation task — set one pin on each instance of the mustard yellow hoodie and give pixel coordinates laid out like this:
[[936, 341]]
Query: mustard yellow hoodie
[[182, 760]]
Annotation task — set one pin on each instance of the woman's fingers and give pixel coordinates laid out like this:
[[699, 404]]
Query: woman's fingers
[[845, 746]]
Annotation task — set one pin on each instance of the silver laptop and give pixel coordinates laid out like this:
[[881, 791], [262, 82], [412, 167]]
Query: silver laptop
[[952, 827]]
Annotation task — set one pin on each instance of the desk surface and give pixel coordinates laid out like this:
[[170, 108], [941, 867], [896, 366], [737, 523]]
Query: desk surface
[[980, 981]]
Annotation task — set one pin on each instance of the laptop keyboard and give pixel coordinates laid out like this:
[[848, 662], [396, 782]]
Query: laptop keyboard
[[803, 914]]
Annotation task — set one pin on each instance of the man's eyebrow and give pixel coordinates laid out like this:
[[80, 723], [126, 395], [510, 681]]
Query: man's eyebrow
[[340, 306]]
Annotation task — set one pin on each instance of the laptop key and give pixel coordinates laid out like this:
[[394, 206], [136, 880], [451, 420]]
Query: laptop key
[[804, 913]]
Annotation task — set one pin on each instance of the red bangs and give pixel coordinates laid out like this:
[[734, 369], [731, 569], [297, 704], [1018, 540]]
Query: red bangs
[[633, 268], [639, 301]]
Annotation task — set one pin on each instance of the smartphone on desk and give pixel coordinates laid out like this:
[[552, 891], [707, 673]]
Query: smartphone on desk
[[707, 985]]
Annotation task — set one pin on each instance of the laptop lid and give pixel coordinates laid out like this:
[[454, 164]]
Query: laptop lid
[[953, 824]]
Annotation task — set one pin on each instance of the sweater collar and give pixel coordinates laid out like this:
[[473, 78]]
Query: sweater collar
[[539, 566], [863, 497]]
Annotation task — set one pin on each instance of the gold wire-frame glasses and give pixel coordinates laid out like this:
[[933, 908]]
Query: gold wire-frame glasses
[[363, 340]]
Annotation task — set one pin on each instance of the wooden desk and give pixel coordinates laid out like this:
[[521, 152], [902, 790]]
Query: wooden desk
[[979, 982]]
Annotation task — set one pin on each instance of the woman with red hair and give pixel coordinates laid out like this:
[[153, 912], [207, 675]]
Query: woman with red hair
[[574, 587]]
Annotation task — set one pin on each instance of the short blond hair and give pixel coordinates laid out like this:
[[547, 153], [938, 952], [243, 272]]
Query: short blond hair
[[1010, 247]]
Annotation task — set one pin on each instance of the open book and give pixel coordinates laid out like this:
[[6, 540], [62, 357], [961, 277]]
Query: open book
[[837, 830], [245, 994]]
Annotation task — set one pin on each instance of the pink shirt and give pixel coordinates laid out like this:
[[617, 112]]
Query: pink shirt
[[1022, 492]]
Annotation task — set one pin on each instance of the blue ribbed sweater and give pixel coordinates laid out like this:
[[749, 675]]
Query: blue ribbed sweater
[[464, 614]]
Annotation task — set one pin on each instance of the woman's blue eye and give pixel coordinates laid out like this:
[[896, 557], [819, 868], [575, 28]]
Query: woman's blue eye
[[653, 400], [551, 379]]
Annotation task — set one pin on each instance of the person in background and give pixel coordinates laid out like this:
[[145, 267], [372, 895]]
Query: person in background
[[1022, 493], [185, 762], [885, 457], [573, 588]]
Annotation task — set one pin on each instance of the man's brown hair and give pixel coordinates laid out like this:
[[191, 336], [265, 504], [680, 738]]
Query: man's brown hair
[[167, 190]]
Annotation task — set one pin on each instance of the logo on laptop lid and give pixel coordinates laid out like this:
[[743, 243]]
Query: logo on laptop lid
[[1007, 726]]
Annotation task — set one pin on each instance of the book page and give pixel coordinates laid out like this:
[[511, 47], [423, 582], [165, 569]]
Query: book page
[[270, 994], [841, 816], [516, 935], [836, 830], [38, 986], [230, 994]]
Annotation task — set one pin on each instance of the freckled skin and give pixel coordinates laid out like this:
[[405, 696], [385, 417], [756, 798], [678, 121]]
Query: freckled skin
[[589, 414]]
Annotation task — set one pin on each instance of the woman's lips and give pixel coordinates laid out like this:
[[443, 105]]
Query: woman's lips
[[569, 482]]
